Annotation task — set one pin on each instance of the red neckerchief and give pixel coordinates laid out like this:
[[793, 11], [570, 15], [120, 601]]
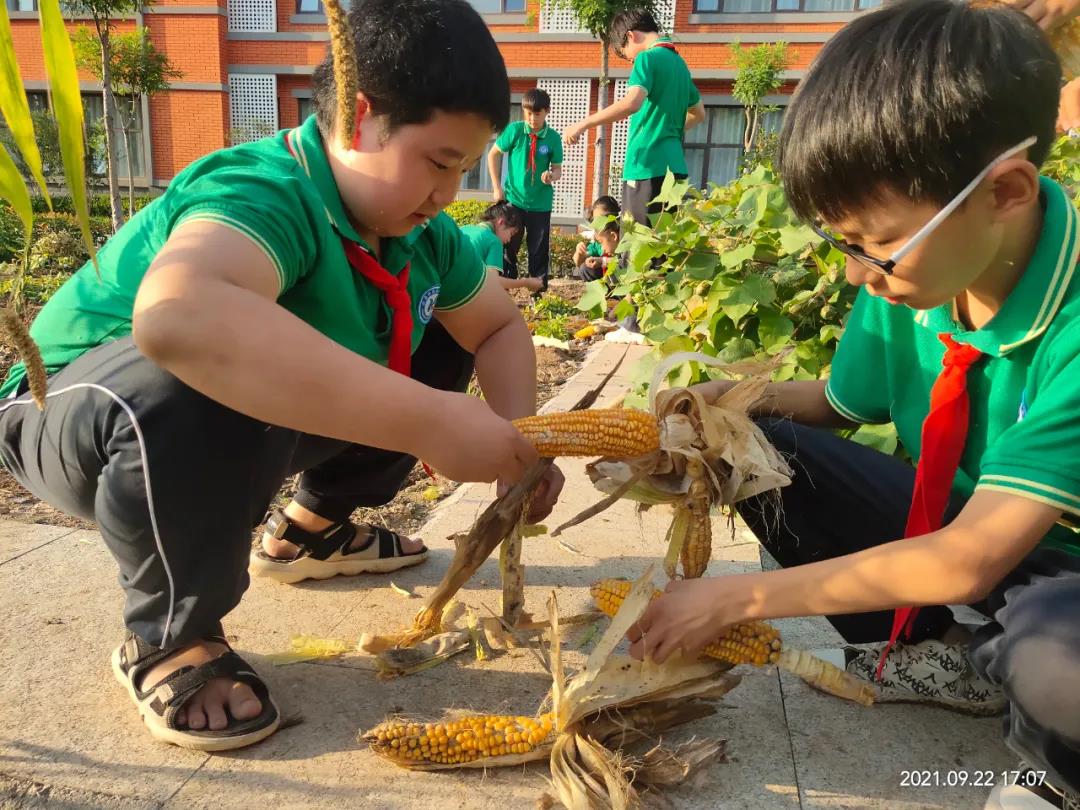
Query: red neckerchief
[[395, 290], [944, 432], [533, 137]]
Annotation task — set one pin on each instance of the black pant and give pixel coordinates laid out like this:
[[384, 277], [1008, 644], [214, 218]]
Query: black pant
[[846, 497], [638, 196], [537, 233], [176, 481]]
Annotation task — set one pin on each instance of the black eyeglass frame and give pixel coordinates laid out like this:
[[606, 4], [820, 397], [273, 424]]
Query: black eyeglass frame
[[883, 266]]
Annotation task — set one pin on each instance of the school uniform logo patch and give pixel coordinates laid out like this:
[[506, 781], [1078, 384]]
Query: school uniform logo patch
[[426, 308], [544, 149]]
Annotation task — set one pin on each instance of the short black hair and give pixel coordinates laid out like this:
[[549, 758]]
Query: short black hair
[[504, 211], [536, 99], [607, 203], [916, 98], [416, 57], [633, 19]]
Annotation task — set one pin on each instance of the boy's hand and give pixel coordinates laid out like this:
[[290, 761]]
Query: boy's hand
[[573, 134], [594, 262], [544, 497], [546, 177], [470, 442], [688, 616], [534, 284], [1049, 14], [497, 193], [580, 252]]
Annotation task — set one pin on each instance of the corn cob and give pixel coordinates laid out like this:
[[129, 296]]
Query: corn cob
[[346, 72], [617, 432], [585, 332], [754, 643], [462, 741], [697, 548]]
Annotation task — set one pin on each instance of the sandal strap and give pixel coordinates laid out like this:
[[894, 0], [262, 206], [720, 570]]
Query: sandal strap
[[171, 694], [318, 545], [389, 542], [137, 656]]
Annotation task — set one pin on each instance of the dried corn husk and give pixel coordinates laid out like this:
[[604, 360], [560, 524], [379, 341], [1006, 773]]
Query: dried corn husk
[[613, 702]]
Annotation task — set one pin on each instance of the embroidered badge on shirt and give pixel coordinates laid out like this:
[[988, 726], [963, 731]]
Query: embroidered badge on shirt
[[426, 308]]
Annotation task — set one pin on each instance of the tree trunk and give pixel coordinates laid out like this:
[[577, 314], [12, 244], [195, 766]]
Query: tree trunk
[[600, 164], [126, 120], [110, 147], [748, 135]]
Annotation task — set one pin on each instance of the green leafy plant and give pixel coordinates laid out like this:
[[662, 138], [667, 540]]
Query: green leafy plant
[[562, 247], [759, 72], [731, 273], [1063, 164], [467, 212]]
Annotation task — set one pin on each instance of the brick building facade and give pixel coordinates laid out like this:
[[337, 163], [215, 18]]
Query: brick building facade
[[247, 65]]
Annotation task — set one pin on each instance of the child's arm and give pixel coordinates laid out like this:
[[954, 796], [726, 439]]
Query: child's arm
[[958, 564], [552, 175], [494, 162], [623, 108], [804, 401], [533, 284], [207, 312], [491, 328], [581, 250], [695, 115]]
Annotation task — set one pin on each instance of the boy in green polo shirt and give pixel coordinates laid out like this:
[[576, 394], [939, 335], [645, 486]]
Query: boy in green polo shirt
[[498, 224], [534, 162], [294, 305], [661, 102], [913, 146]]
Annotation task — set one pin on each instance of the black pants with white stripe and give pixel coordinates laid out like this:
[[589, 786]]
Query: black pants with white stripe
[[176, 481], [845, 498]]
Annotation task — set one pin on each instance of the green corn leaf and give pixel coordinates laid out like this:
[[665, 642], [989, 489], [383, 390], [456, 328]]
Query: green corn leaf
[[13, 189], [15, 107], [67, 104]]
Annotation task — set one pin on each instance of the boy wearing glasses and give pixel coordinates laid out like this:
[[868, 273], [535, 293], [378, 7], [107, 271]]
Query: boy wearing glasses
[[914, 144], [661, 103]]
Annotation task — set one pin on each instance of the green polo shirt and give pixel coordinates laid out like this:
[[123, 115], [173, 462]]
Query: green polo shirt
[[655, 140], [289, 207], [486, 244], [1024, 429], [523, 186]]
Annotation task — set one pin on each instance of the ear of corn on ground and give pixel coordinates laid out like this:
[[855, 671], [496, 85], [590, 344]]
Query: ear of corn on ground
[[464, 741], [616, 432]]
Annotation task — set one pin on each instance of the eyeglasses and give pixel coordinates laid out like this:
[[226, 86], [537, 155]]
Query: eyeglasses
[[886, 266]]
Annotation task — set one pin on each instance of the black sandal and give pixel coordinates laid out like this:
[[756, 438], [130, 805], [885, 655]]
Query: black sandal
[[159, 705], [326, 554]]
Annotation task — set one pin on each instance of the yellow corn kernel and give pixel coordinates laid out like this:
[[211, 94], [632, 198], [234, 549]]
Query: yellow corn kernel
[[755, 643], [617, 432], [698, 546], [461, 741]]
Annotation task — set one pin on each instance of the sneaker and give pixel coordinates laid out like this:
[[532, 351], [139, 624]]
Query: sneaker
[[1039, 795], [930, 672]]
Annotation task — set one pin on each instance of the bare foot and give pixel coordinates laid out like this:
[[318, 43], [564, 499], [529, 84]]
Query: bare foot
[[213, 705], [309, 521]]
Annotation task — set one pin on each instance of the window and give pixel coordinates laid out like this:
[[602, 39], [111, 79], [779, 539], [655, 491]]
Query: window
[[21, 5], [714, 147], [499, 6], [93, 113], [315, 6], [478, 178], [304, 108], [768, 6]]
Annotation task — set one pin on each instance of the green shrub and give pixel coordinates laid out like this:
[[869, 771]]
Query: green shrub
[[1063, 164], [99, 204], [467, 212], [562, 253]]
